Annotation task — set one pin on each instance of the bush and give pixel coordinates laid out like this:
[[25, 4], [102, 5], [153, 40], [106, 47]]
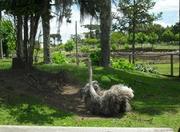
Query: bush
[[145, 68], [61, 47], [114, 47], [85, 49], [69, 46], [118, 38], [59, 58], [126, 46], [122, 64], [96, 58], [90, 41]]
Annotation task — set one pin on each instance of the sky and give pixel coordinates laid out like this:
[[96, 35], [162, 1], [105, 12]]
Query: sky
[[170, 16]]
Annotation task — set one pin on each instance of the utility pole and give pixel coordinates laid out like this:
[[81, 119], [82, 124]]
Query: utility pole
[[77, 58]]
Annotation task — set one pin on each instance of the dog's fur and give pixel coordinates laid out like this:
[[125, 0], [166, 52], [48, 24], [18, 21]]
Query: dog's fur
[[110, 102]]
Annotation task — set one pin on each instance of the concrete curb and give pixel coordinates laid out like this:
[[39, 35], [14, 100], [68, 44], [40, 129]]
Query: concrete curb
[[78, 129]]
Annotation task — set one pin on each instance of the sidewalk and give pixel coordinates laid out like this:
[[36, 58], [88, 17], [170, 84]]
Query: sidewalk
[[78, 129]]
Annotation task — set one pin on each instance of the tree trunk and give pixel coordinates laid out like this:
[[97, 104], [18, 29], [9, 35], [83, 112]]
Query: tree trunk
[[1, 47], [46, 31], [25, 46], [19, 41], [105, 27], [18, 62], [34, 25]]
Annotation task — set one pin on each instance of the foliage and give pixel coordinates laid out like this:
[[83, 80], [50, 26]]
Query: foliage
[[126, 46], [90, 41], [177, 37], [94, 30], [135, 14], [59, 58], [145, 68], [61, 47], [176, 28], [152, 38], [122, 64], [85, 49], [69, 46], [155, 28], [168, 35], [96, 58], [114, 47], [8, 35], [141, 37], [118, 38]]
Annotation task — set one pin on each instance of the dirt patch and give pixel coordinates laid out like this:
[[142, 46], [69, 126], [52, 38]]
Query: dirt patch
[[58, 90]]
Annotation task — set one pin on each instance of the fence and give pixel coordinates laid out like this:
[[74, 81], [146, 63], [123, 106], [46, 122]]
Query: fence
[[165, 63]]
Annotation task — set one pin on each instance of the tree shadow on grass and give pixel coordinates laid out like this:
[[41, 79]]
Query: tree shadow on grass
[[29, 110], [154, 95]]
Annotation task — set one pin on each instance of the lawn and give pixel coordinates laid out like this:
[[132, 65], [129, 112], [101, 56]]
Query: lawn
[[156, 102], [165, 69]]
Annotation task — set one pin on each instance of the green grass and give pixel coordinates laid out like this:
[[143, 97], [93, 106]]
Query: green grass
[[5, 64], [165, 69], [156, 102]]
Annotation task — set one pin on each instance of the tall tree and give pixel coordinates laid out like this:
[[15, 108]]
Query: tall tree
[[101, 9], [135, 15], [46, 30], [23, 12], [105, 27]]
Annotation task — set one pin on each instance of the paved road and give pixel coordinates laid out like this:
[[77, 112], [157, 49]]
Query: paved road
[[78, 129]]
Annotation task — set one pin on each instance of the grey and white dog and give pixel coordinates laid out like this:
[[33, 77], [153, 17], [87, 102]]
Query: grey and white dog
[[110, 102]]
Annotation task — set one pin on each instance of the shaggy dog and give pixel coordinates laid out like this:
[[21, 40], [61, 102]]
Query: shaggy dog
[[110, 102]]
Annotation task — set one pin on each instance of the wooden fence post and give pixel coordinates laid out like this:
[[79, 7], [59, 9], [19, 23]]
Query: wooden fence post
[[171, 64], [129, 58]]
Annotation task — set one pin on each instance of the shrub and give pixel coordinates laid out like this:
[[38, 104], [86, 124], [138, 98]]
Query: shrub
[[145, 68], [90, 41], [114, 47], [69, 46], [85, 49], [61, 47], [126, 46], [118, 38], [59, 58], [122, 64], [96, 58]]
